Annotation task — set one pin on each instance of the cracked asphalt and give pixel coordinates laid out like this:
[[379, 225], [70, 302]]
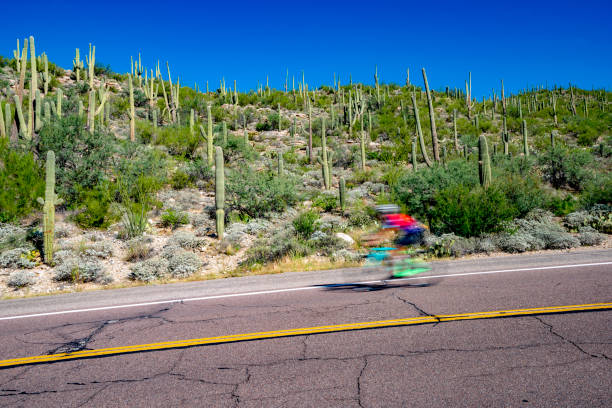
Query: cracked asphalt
[[543, 361]]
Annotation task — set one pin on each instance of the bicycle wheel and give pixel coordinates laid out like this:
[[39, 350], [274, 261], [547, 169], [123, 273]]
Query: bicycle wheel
[[408, 267]]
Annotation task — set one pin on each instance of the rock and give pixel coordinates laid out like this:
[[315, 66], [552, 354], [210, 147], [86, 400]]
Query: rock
[[344, 237]]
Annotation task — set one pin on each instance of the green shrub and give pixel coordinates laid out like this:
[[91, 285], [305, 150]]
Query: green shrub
[[523, 193], [237, 148], [561, 206], [597, 191], [81, 159], [470, 213], [281, 244], [566, 167], [256, 194], [79, 270], [199, 170], [95, 206], [587, 130], [304, 223], [325, 201], [174, 219], [135, 201], [417, 190], [22, 180], [179, 180], [183, 263]]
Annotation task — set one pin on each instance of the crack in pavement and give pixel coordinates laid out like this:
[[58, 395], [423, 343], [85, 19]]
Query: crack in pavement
[[365, 364], [553, 332], [234, 395], [513, 368], [418, 309]]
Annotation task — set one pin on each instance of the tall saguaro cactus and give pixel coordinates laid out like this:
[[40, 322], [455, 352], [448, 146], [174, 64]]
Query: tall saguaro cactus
[[131, 112], [91, 63], [219, 192], [420, 131], [432, 120], [77, 65], [455, 130], [342, 193], [323, 159], [49, 203], [484, 162], [525, 146]]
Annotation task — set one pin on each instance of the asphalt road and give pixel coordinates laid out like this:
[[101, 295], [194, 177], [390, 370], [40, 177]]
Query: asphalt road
[[538, 360]]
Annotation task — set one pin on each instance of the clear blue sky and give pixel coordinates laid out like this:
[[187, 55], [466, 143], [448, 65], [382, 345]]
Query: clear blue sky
[[523, 42]]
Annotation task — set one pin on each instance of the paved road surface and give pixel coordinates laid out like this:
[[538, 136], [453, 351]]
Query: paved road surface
[[542, 360]]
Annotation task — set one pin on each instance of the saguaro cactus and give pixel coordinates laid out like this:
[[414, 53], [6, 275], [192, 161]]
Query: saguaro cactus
[[219, 192], [3, 131], [131, 112], [362, 147], [59, 94], [413, 156], [323, 158], [484, 162], [525, 146], [77, 65], [91, 62], [309, 133], [420, 131], [432, 120], [455, 130], [224, 133], [279, 118], [49, 203]]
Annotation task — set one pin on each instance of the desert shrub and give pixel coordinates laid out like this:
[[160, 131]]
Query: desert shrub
[[587, 130], [173, 218], [566, 167], [518, 242], [12, 236], [199, 170], [140, 161], [522, 192], [325, 243], [417, 190], [256, 194], [22, 180], [149, 270], [237, 148], [179, 180], [183, 263], [589, 236], [304, 223], [540, 225], [561, 206], [602, 218], [185, 239], [21, 279], [102, 249], [16, 258], [361, 217], [598, 191], [325, 201], [179, 140], [80, 156], [281, 244], [136, 200], [577, 220], [470, 212], [265, 125], [79, 270], [94, 206], [138, 249]]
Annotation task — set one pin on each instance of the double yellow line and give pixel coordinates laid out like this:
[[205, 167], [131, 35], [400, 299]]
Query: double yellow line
[[299, 332]]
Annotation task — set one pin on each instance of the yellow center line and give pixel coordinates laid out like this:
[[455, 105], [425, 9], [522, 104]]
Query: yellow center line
[[302, 331]]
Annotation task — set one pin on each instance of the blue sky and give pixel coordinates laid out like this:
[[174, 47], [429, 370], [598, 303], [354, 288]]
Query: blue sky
[[525, 43]]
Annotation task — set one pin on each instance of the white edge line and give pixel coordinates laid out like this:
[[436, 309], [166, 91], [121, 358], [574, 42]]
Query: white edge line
[[265, 292]]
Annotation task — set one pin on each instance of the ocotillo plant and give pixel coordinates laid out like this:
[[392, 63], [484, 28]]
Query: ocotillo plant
[[49, 203], [484, 162], [432, 120], [525, 146], [420, 131], [219, 192], [342, 193]]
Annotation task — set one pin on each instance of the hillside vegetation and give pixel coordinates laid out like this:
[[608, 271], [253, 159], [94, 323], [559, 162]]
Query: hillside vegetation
[[135, 177]]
